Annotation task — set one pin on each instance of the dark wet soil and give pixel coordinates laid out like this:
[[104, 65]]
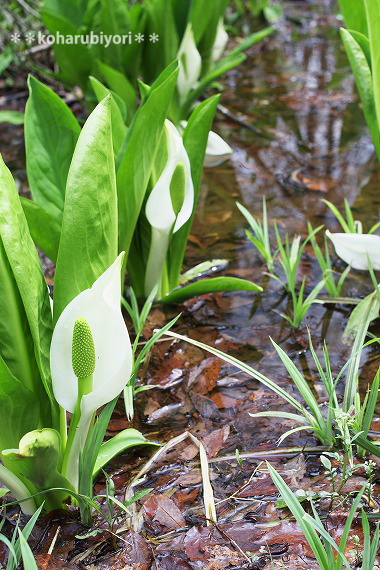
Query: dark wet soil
[[296, 88]]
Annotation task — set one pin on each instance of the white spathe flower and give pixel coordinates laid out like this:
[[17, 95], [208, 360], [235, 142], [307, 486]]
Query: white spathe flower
[[190, 64], [355, 249], [100, 307], [217, 150], [159, 208], [160, 212], [220, 43]]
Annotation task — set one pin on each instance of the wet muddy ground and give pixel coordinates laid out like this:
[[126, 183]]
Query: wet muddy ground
[[295, 89]]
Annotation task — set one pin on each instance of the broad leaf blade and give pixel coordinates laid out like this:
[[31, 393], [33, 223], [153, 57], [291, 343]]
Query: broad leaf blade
[[74, 59], [373, 22], [119, 129], [21, 407], [44, 229], [24, 262], [212, 285], [363, 79], [120, 442], [144, 136], [354, 16], [51, 133], [88, 244]]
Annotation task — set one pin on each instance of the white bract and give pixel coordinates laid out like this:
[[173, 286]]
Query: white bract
[[217, 150], [100, 307], [159, 209], [356, 249], [190, 64], [220, 43]]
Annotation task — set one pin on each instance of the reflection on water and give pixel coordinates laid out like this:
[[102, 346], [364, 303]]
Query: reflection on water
[[299, 89]]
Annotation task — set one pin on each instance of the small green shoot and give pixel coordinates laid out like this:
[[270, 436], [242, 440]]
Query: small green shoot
[[260, 235], [329, 554], [333, 287], [300, 306], [348, 223]]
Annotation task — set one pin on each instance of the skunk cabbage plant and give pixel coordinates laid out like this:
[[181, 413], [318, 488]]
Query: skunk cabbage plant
[[90, 358], [169, 205], [190, 64], [150, 171], [191, 31], [77, 361]]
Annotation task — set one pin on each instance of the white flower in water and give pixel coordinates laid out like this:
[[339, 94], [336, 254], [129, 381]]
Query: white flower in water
[[217, 150], [220, 43], [190, 64], [170, 204], [356, 249]]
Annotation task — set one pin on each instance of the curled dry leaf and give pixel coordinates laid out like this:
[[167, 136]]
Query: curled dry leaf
[[161, 510]]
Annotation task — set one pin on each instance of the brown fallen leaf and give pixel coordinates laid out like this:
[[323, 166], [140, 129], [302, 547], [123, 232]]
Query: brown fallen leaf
[[173, 563], [161, 510], [51, 562], [204, 377], [213, 441], [223, 401]]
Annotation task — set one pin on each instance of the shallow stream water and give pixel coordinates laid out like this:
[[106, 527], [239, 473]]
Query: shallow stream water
[[309, 143]]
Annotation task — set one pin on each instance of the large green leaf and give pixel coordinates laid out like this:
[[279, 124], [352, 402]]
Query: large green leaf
[[44, 229], [354, 16], [373, 21], [16, 343], [144, 136], [212, 285], [74, 59], [160, 21], [204, 17], [367, 309], [195, 140], [73, 10], [31, 288], [119, 130], [51, 133], [112, 18], [88, 244], [19, 409], [363, 79], [120, 85], [120, 442], [363, 41]]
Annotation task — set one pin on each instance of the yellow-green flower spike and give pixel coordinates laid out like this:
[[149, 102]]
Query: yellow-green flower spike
[[83, 349], [177, 187]]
